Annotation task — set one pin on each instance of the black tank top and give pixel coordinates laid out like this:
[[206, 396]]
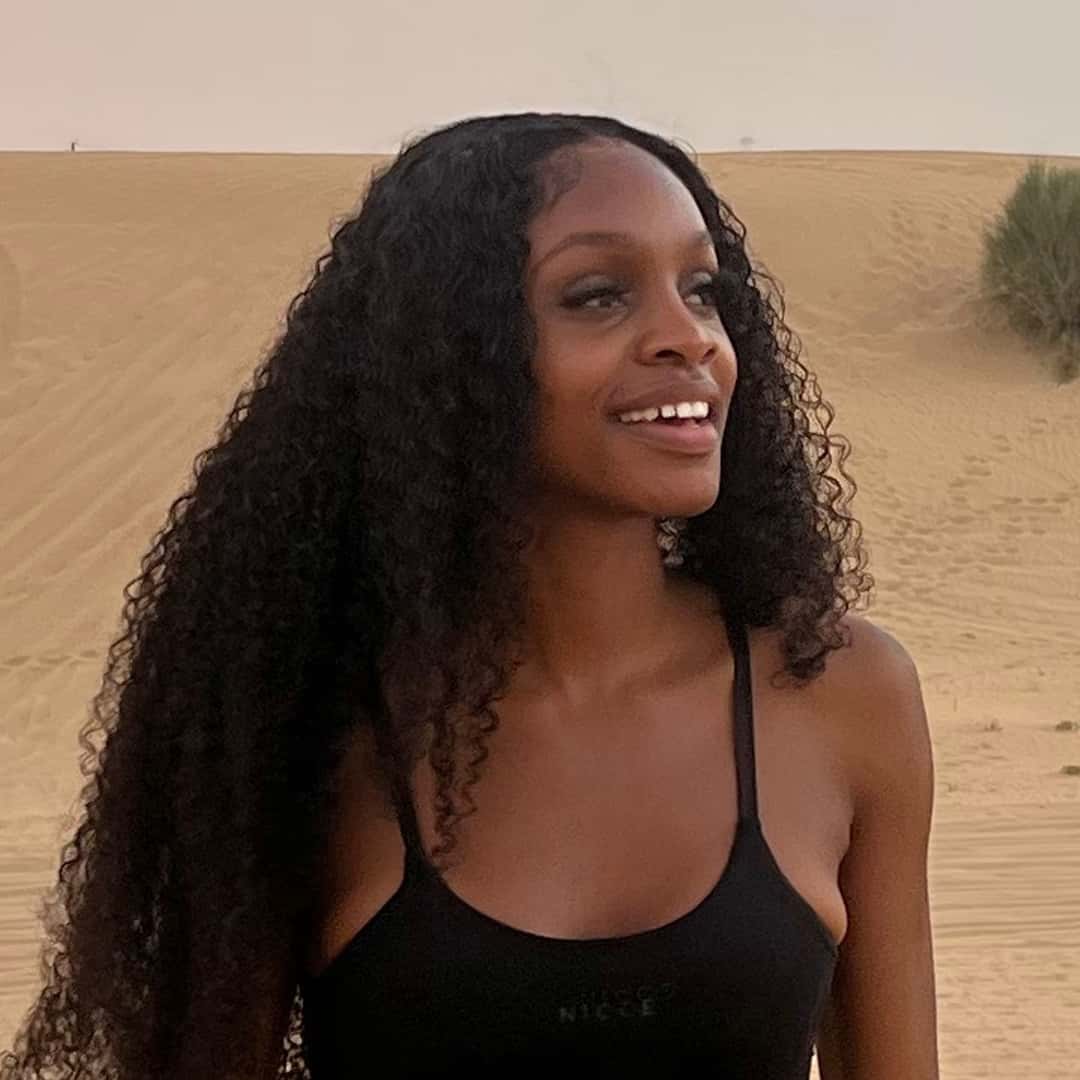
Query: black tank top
[[734, 988]]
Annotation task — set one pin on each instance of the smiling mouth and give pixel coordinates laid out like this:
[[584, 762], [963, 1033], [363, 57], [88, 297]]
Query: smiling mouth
[[670, 421], [683, 436]]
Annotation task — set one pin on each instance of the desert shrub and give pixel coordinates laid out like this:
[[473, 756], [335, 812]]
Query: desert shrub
[[1031, 263]]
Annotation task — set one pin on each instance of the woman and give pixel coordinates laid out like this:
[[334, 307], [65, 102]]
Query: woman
[[424, 553]]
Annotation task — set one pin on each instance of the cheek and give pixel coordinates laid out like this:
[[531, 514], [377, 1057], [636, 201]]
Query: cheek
[[569, 426], [571, 437], [571, 411], [575, 377], [574, 380]]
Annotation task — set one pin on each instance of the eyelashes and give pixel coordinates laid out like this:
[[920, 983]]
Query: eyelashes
[[711, 288]]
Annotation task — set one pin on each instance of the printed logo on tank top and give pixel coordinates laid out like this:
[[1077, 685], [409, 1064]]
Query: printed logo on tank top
[[607, 1004]]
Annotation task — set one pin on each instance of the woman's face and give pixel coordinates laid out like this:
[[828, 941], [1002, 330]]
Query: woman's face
[[621, 320]]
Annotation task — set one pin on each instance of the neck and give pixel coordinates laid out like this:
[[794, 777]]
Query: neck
[[601, 606]]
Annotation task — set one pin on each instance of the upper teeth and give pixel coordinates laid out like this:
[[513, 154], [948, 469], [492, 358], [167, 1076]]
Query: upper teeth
[[683, 409]]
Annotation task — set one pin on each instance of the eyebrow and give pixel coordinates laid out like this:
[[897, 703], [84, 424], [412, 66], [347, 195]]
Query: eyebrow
[[700, 239]]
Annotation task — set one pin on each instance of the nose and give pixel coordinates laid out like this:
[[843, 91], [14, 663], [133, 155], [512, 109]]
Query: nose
[[678, 331]]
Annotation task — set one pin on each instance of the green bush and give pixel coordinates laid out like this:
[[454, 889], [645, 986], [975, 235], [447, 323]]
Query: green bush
[[1031, 264]]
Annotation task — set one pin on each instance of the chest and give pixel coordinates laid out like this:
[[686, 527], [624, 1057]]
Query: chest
[[623, 818]]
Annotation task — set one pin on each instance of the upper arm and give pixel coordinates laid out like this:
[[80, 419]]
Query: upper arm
[[880, 1022]]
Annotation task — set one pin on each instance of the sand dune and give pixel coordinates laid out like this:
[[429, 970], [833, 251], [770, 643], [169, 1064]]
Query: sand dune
[[138, 290]]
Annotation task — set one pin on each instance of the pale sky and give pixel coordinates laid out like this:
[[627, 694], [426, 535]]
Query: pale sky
[[334, 77]]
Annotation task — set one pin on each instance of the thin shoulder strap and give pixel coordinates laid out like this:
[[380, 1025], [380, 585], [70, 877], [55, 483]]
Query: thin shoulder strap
[[410, 828], [399, 788], [745, 768]]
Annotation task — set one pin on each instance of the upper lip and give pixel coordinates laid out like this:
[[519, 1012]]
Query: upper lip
[[672, 394]]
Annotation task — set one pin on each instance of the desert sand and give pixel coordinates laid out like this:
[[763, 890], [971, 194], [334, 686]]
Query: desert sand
[[137, 292]]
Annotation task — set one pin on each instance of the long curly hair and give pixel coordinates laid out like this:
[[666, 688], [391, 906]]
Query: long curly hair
[[349, 553]]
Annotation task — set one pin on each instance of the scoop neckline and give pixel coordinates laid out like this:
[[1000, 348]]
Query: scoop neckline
[[742, 826]]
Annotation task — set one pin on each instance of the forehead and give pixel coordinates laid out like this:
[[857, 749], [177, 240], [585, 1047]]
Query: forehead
[[617, 187]]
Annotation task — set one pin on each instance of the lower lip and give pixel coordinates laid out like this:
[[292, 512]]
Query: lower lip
[[687, 437]]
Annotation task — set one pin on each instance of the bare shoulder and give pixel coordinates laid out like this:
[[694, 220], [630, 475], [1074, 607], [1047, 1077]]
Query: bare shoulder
[[875, 684], [362, 838], [873, 653], [356, 777], [880, 1020], [362, 862]]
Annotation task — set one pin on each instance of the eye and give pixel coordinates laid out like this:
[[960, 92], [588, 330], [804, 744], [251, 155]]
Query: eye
[[710, 289], [585, 299]]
